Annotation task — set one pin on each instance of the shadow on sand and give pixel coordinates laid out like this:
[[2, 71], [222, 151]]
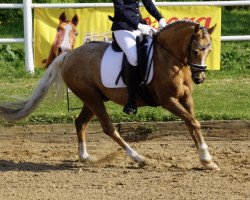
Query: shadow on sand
[[7, 165]]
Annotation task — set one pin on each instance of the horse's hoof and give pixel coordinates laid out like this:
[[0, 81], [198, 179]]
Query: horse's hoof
[[130, 109], [142, 162], [210, 165], [88, 159]]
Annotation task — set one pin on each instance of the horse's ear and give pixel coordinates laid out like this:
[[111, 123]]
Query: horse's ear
[[197, 28], [75, 20], [62, 17], [211, 30]]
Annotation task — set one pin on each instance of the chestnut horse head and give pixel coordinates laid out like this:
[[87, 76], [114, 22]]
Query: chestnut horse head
[[180, 51], [65, 37], [194, 51]]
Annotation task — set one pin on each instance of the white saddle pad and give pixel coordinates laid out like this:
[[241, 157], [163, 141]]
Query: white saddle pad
[[111, 66]]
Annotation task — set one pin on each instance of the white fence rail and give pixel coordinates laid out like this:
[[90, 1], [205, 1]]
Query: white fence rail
[[27, 16]]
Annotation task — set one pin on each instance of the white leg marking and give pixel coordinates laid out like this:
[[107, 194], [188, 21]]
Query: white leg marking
[[132, 153], [83, 154], [204, 153]]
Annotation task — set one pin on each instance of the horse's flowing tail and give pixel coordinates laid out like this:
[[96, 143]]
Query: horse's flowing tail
[[18, 110]]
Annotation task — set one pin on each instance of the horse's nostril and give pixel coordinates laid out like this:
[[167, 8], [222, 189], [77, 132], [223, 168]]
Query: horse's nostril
[[197, 80], [62, 49], [59, 50]]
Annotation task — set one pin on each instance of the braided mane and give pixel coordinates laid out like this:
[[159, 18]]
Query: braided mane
[[182, 21]]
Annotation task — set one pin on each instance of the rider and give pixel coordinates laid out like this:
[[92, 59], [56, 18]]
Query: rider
[[127, 25]]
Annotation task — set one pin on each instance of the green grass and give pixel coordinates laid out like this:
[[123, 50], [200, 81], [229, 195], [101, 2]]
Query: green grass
[[224, 95], [223, 99]]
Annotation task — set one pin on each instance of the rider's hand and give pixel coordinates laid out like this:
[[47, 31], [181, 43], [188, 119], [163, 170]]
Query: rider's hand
[[145, 29], [162, 23]]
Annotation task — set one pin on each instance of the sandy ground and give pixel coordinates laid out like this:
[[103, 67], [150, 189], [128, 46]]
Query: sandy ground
[[37, 165]]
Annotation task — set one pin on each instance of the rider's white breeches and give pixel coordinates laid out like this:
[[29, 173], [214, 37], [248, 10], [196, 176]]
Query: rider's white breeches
[[127, 41]]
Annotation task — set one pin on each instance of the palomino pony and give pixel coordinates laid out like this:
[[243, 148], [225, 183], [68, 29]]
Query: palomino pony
[[180, 52], [65, 38]]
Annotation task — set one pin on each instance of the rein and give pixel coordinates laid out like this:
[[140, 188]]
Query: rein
[[169, 51], [193, 66]]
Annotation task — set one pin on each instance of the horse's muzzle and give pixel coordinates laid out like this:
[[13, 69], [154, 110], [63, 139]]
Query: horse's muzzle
[[198, 77], [63, 50], [198, 81]]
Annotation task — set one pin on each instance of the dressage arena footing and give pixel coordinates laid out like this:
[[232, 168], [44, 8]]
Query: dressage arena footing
[[135, 131]]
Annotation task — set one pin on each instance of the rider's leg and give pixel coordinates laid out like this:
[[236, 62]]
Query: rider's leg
[[127, 42], [131, 78]]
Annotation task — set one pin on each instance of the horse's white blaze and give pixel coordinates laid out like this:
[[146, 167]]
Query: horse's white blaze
[[203, 61], [83, 154], [65, 45], [204, 153]]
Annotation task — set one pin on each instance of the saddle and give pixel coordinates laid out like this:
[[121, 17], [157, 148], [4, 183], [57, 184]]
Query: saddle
[[142, 54], [144, 65]]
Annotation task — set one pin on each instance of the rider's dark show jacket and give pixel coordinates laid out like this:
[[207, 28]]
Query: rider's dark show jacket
[[127, 15]]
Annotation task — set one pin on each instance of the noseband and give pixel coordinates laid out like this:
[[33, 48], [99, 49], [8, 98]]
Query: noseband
[[193, 66]]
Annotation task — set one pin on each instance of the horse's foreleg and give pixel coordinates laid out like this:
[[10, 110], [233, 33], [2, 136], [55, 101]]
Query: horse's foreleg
[[186, 113], [109, 129], [81, 124], [195, 131]]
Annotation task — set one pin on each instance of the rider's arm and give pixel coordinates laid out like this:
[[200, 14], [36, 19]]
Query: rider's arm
[[152, 9]]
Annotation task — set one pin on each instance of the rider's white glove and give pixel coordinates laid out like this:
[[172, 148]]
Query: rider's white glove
[[145, 29], [162, 23]]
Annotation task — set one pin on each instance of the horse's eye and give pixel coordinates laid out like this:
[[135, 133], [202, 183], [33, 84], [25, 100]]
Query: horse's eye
[[58, 29], [195, 52]]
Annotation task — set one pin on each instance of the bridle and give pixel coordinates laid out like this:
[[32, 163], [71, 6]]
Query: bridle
[[193, 66]]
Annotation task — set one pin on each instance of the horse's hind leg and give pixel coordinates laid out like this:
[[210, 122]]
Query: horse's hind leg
[[186, 113], [99, 109], [81, 124]]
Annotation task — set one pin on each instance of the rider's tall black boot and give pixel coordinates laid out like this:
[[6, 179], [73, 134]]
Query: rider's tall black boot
[[132, 82]]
